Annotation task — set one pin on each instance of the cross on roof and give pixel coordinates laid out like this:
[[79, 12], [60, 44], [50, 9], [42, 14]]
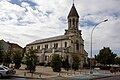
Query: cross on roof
[[73, 1]]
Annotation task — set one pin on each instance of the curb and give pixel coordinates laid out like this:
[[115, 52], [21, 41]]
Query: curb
[[26, 77]]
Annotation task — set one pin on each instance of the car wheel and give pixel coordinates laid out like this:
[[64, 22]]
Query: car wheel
[[0, 75]]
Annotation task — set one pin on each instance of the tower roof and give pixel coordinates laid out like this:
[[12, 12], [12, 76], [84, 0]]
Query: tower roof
[[73, 12]]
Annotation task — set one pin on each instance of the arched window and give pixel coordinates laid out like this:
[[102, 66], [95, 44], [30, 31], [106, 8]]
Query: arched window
[[65, 44], [46, 46], [31, 47], [70, 22], [73, 21], [77, 23], [77, 45], [55, 45], [38, 47], [45, 58]]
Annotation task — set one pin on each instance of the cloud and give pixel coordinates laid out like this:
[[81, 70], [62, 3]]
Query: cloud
[[24, 21]]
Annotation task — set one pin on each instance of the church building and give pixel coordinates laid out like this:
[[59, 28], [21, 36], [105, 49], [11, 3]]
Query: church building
[[71, 43]]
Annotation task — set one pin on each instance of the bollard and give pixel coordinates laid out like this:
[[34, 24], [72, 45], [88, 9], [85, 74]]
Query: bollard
[[24, 73], [67, 73], [32, 74], [40, 75], [58, 73]]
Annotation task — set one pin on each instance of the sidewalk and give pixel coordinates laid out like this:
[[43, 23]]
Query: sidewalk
[[47, 73], [43, 72]]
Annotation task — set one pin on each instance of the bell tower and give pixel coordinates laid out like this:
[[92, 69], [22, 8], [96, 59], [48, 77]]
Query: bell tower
[[73, 19], [76, 42]]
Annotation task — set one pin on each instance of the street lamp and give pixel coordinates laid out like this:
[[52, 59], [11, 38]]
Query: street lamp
[[91, 72]]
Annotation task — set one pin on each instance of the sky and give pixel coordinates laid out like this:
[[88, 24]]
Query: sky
[[24, 21]]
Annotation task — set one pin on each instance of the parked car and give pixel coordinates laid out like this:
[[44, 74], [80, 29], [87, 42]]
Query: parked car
[[5, 71]]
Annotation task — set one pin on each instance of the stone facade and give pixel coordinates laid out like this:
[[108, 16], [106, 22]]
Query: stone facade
[[69, 43]]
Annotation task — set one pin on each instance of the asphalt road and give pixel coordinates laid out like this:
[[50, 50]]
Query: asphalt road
[[117, 77], [12, 78], [111, 78]]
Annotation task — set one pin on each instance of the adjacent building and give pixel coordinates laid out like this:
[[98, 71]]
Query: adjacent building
[[64, 45], [7, 46]]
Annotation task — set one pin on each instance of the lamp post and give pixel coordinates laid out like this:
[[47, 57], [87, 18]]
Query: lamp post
[[91, 72]]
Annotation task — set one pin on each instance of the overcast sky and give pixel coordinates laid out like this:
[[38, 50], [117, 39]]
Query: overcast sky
[[23, 21]]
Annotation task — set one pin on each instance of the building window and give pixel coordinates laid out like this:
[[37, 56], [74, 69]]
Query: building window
[[55, 45], [45, 58], [77, 23], [38, 47], [77, 46], [73, 21], [46, 46], [31, 47], [70, 22], [65, 44]]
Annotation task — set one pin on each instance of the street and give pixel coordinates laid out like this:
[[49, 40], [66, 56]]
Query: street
[[11, 78], [111, 78], [116, 77]]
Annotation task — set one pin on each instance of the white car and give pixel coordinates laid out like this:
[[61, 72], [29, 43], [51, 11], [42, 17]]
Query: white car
[[5, 71]]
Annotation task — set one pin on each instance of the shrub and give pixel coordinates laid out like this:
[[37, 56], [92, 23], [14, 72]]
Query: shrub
[[47, 64], [56, 63], [105, 67], [41, 64]]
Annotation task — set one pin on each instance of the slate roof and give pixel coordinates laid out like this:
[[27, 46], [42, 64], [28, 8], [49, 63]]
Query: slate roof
[[14, 45], [56, 38], [73, 12]]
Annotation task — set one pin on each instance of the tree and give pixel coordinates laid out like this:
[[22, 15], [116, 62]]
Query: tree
[[17, 58], [65, 64], [31, 59], [117, 60], [56, 63], [76, 62], [7, 58], [1, 52], [105, 56]]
